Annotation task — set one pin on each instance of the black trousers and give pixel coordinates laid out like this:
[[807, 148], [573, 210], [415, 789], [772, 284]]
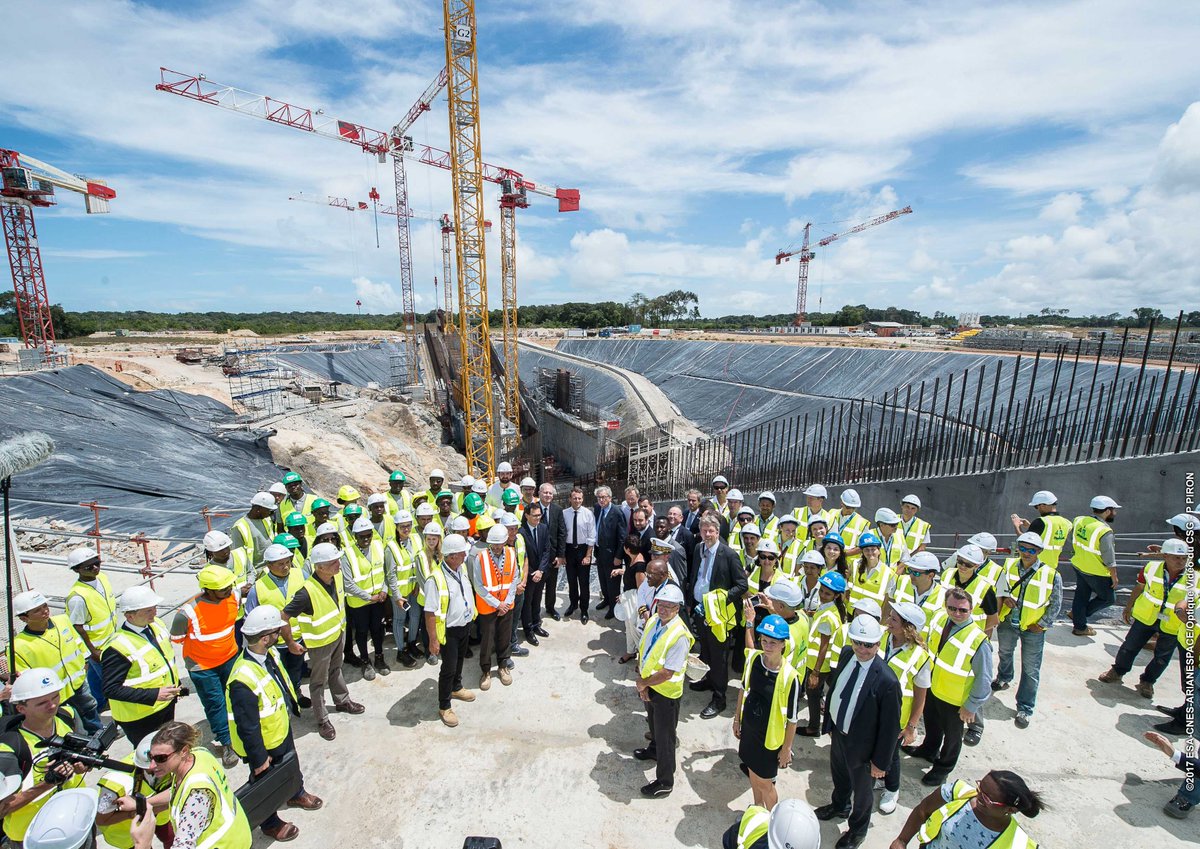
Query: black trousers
[[495, 635], [531, 606], [715, 653], [454, 652], [368, 621], [891, 781], [1140, 634], [943, 733], [550, 586], [276, 755], [136, 729], [814, 699], [351, 632], [852, 783], [610, 587], [579, 578], [662, 715]]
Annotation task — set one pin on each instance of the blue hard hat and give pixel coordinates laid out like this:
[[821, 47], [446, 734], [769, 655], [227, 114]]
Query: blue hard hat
[[869, 538], [833, 537], [774, 626], [833, 581]]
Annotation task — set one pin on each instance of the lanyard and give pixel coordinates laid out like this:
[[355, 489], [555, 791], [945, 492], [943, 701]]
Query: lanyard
[[841, 523], [658, 631], [887, 549]]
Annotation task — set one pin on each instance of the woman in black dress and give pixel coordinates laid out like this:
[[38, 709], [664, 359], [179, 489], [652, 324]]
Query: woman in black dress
[[767, 712]]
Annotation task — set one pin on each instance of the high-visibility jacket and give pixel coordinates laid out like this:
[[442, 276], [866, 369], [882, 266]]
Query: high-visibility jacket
[[120, 782], [754, 580], [795, 647], [405, 575], [952, 673], [719, 613], [101, 607], [396, 504], [1013, 837], [439, 615], [59, 648], [386, 532], [932, 604], [152, 665], [789, 557], [777, 719], [892, 549], [906, 663], [254, 545], [1031, 594], [518, 545], [268, 592], [425, 565], [873, 585], [209, 640], [834, 618], [848, 527], [915, 531], [273, 714], [977, 588], [753, 826], [228, 827], [653, 654], [1156, 605], [768, 528], [804, 516], [367, 571], [328, 618], [1056, 530], [497, 578], [16, 823], [1086, 533], [304, 505]]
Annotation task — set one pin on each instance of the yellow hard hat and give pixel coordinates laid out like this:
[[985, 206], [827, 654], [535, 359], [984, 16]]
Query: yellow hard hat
[[348, 493], [483, 523], [214, 577]]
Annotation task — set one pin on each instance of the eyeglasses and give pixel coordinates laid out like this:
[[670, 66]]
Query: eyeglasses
[[768, 556], [985, 799], [960, 610], [861, 645], [1027, 549], [719, 486], [162, 759]]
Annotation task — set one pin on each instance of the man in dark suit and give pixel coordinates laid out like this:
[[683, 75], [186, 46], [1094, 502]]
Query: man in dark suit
[[715, 566], [556, 535], [643, 530], [862, 715], [610, 534], [678, 531], [691, 514], [537, 564]]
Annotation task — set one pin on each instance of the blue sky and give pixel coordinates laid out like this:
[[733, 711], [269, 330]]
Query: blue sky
[[1051, 151]]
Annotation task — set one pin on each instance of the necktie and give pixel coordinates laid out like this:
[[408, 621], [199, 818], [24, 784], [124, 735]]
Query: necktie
[[574, 526], [945, 634], [847, 693]]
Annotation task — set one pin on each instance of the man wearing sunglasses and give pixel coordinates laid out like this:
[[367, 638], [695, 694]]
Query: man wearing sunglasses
[[1030, 593]]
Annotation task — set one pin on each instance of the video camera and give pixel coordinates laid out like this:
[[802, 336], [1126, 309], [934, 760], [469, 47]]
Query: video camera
[[91, 751]]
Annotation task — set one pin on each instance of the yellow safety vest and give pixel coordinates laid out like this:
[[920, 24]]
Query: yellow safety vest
[[719, 613], [58, 648], [1034, 592], [424, 569], [906, 663], [777, 720], [754, 580], [244, 526], [790, 556], [268, 592], [328, 618], [1155, 606], [102, 610], [768, 529], [872, 585], [367, 571], [795, 647], [976, 589], [519, 545], [274, 721], [804, 516], [117, 834], [16, 823], [1011, 838], [831, 615], [848, 527], [914, 532], [654, 655], [405, 580], [1087, 531], [228, 827], [1055, 533], [287, 506], [753, 827], [952, 672], [389, 530], [906, 590], [151, 667], [404, 502], [439, 615]]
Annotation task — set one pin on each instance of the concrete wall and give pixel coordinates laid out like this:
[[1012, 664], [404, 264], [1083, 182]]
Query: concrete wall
[[572, 442]]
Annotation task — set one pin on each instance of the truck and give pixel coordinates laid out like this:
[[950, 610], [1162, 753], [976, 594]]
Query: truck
[[634, 328]]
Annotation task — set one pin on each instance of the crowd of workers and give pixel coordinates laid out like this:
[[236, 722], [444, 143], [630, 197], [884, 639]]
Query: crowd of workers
[[837, 625]]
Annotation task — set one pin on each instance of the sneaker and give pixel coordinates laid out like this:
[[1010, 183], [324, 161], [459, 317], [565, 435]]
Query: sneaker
[[433, 660], [485, 680], [505, 676], [463, 695], [1178, 807], [1084, 632], [368, 673], [1111, 677], [449, 717], [229, 758], [997, 686], [1145, 690], [656, 790], [888, 802], [1022, 720], [381, 665]]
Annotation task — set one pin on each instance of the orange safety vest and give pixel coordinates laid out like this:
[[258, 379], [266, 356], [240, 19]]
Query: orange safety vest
[[209, 640], [497, 578]]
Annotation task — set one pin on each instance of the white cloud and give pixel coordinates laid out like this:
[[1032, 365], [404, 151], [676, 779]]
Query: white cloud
[[1063, 208], [377, 297], [93, 253]]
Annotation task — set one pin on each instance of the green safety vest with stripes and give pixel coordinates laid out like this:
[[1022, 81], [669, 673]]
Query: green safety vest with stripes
[[1013, 837], [405, 574], [830, 615], [328, 618], [151, 667], [228, 827], [952, 673], [274, 721], [1056, 531], [59, 648], [102, 610], [906, 663], [653, 657], [268, 592], [784, 680], [366, 569], [1156, 606], [117, 834], [914, 532], [1033, 594], [753, 827], [1086, 533]]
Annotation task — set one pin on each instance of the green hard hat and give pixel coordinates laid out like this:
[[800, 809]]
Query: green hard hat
[[320, 503], [352, 510], [397, 476], [287, 540], [292, 477], [445, 493], [510, 498], [472, 502], [295, 520]]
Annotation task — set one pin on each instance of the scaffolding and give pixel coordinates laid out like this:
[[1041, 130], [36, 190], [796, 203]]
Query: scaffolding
[[399, 377], [259, 386]]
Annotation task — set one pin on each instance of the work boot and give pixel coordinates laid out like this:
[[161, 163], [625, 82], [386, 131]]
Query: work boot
[[505, 676], [1145, 689], [381, 665], [449, 717], [1178, 807], [1084, 632], [405, 658], [485, 681], [1111, 676], [368, 673], [229, 758], [463, 695]]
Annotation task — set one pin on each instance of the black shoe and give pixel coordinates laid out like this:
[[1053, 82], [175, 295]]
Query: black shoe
[[353, 660], [656, 790], [474, 641], [1176, 712], [604, 605], [851, 840], [1178, 807], [540, 631], [555, 616], [381, 665], [406, 658], [1174, 728], [532, 639], [610, 615], [972, 737], [583, 617], [933, 778], [918, 752], [508, 663], [305, 702], [468, 653], [699, 686], [714, 708], [519, 651], [997, 686], [571, 609], [646, 754], [829, 812]]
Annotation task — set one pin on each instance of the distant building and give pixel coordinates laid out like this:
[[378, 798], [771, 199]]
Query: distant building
[[883, 328], [809, 330]]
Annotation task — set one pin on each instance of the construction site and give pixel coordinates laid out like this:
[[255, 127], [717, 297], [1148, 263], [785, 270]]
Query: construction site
[[158, 441]]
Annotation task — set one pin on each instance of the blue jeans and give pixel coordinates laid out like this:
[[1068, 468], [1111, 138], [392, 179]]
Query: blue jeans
[[210, 687], [1093, 593], [85, 705], [95, 681], [405, 622], [1032, 646]]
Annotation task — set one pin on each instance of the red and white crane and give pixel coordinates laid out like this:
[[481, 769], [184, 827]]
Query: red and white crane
[[26, 183], [805, 254]]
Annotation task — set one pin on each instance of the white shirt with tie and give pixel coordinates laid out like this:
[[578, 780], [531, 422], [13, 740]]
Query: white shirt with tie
[[839, 693], [583, 522]]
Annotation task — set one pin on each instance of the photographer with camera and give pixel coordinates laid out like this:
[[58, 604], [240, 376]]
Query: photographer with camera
[[141, 680], [116, 783], [36, 695]]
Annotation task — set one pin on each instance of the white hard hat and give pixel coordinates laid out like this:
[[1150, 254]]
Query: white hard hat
[[1030, 538], [139, 597], [971, 553], [376, 498], [275, 552], [1043, 496], [458, 524], [911, 499], [277, 488], [817, 517], [324, 552], [886, 516], [767, 546], [504, 467], [1103, 502], [528, 482], [433, 529], [216, 540], [924, 561], [326, 528], [497, 535], [721, 479], [456, 544], [984, 540], [910, 612], [865, 629], [437, 473], [670, 594], [34, 683], [509, 520], [263, 499], [767, 494], [817, 491], [497, 512], [746, 510], [735, 495], [750, 529], [786, 592], [1170, 546], [1184, 521], [141, 754], [361, 526], [402, 516], [480, 487], [27, 601], [813, 557], [467, 481], [869, 607], [793, 825], [849, 498], [66, 821], [81, 555], [262, 619], [425, 509], [789, 519]]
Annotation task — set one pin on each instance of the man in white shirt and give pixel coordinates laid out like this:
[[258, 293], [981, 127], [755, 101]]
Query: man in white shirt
[[581, 541]]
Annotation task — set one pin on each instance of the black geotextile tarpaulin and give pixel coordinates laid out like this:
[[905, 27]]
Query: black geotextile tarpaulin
[[155, 457], [358, 366]]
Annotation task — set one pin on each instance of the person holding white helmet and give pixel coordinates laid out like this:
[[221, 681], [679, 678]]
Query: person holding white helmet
[[1054, 529], [400, 574], [907, 656], [51, 642], [317, 609], [916, 530], [495, 575], [366, 595], [662, 661], [848, 523], [791, 824], [253, 532], [141, 679], [36, 697], [1030, 593], [92, 609], [449, 612], [261, 700], [814, 507], [861, 717], [504, 483], [116, 783], [1094, 557]]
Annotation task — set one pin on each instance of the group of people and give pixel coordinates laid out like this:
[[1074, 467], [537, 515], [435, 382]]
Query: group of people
[[836, 625]]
